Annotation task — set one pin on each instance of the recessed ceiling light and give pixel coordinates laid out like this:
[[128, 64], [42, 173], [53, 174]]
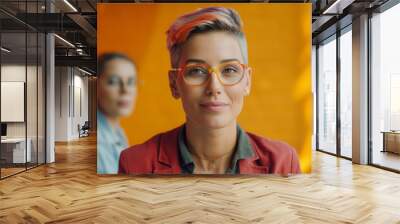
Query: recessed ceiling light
[[70, 5], [84, 71], [5, 50], [64, 40], [337, 7]]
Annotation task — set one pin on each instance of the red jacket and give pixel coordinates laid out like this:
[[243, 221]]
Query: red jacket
[[160, 155]]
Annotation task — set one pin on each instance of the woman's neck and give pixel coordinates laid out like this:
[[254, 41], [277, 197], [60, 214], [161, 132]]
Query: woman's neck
[[211, 148], [113, 121]]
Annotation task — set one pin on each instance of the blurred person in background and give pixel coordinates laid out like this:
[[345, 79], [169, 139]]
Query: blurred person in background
[[116, 97]]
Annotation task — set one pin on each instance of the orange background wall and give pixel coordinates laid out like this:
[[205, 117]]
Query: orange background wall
[[279, 42]]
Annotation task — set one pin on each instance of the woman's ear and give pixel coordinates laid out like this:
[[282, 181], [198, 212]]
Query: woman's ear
[[248, 82], [172, 76]]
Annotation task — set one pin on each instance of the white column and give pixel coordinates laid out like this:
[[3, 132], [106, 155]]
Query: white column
[[50, 92], [50, 99], [360, 89]]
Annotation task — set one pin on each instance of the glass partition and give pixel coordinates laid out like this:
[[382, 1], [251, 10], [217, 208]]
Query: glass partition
[[22, 89], [14, 153]]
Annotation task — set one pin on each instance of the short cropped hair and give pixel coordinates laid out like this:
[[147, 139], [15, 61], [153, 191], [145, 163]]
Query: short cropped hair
[[203, 21], [104, 58]]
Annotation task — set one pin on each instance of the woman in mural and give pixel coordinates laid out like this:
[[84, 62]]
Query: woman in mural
[[211, 77], [116, 86]]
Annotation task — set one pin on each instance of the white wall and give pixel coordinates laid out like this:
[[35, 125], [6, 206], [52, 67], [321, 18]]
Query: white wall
[[61, 103], [71, 93]]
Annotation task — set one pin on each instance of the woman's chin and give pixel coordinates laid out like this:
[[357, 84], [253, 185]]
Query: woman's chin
[[125, 112], [215, 123]]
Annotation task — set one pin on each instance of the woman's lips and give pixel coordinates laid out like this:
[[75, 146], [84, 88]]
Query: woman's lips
[[123, 103], [213, 106]]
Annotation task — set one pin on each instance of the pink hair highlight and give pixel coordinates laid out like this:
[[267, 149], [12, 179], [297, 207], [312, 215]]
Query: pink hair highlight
[[216, 18]]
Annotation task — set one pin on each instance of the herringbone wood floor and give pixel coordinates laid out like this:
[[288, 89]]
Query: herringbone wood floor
[[69, 191]]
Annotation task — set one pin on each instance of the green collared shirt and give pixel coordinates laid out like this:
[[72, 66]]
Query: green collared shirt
[[243, 150]]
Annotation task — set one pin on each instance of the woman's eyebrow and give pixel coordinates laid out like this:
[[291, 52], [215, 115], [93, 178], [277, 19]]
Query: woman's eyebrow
[[193, 60], [229, 60]]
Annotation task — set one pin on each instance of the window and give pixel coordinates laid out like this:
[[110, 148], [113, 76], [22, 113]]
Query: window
[[327, 96], [385, 89], [346, 93]]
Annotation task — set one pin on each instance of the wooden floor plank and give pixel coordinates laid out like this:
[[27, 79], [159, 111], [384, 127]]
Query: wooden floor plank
[[70, 191]]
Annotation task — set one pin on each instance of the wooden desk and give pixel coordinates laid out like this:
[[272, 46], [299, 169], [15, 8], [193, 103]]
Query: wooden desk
[[391, 141], [13, 150]]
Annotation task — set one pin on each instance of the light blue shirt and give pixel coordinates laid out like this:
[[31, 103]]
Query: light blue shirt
[[110, 142]]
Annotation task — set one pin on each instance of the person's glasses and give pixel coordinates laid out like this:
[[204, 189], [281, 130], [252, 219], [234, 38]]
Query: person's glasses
[[229, 73]]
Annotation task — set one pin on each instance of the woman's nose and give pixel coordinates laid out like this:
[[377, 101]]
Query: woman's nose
[[123, 87], [214, 86]]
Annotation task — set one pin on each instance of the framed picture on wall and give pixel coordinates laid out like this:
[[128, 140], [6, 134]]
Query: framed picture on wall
[[204, 88]]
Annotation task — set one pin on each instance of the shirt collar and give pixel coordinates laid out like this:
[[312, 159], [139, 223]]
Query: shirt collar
[[243, 150], [102, 119], [186, 160], [115, 135]]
